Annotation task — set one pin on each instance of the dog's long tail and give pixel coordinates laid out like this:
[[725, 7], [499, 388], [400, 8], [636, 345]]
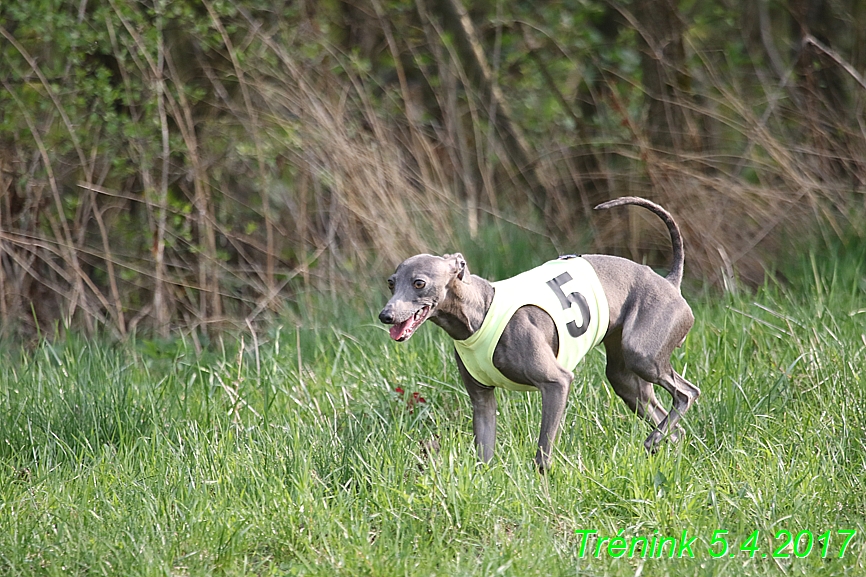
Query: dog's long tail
[[675, 276]]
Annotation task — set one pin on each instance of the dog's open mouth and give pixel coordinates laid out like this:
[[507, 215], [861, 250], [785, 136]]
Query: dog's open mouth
[[402, 331]]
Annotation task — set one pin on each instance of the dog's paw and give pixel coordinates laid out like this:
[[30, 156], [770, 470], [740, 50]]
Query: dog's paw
[[653, 441], [542, 463]]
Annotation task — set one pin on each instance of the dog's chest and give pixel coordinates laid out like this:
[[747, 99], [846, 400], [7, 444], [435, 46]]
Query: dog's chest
[[568, 290]]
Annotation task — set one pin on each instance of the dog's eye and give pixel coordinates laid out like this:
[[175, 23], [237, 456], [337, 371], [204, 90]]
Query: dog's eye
[[390, 284], [419, 284]]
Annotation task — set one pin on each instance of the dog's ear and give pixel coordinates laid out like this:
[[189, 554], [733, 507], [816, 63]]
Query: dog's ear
[[458, 266]]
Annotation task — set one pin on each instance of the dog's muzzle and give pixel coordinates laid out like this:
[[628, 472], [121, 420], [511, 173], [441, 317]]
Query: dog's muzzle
[[402, 330]]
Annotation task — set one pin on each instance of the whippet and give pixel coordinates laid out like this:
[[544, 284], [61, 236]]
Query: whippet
[[529, 332]]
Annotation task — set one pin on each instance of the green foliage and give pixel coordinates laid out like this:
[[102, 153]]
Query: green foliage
[[185, 163], [503, 248]]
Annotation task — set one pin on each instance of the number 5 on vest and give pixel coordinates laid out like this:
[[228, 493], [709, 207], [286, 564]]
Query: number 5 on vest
[[566, 300]]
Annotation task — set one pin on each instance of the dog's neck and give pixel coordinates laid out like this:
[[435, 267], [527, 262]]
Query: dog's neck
[[464, 307]]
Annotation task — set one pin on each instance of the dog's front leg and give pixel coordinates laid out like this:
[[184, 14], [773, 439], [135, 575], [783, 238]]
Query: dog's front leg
[[554, 395], [483, 413]]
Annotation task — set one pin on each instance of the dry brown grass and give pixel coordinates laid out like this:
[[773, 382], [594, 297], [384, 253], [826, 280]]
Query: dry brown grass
[[267, 163]]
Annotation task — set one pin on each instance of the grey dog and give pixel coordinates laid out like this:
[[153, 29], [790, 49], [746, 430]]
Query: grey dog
[[647, 318]]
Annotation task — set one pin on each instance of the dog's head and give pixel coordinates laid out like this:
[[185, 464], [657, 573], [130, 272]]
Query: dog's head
[[418, 287]]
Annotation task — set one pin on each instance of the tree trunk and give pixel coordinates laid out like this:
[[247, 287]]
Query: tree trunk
[[666, 81], [820, 84], [457, 21]]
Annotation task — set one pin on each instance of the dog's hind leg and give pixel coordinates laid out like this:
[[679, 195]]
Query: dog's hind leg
[[637, 393], [684, 394], [648, 340]]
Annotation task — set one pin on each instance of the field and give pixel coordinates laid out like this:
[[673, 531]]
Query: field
[[294, 454]]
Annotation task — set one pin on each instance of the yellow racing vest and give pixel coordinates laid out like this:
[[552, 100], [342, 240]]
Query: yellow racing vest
[[568, 290]]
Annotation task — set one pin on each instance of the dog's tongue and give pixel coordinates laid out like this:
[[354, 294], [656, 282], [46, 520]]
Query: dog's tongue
[[401, 331]]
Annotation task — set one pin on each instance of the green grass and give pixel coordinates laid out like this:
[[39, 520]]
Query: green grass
[[135, 459]]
